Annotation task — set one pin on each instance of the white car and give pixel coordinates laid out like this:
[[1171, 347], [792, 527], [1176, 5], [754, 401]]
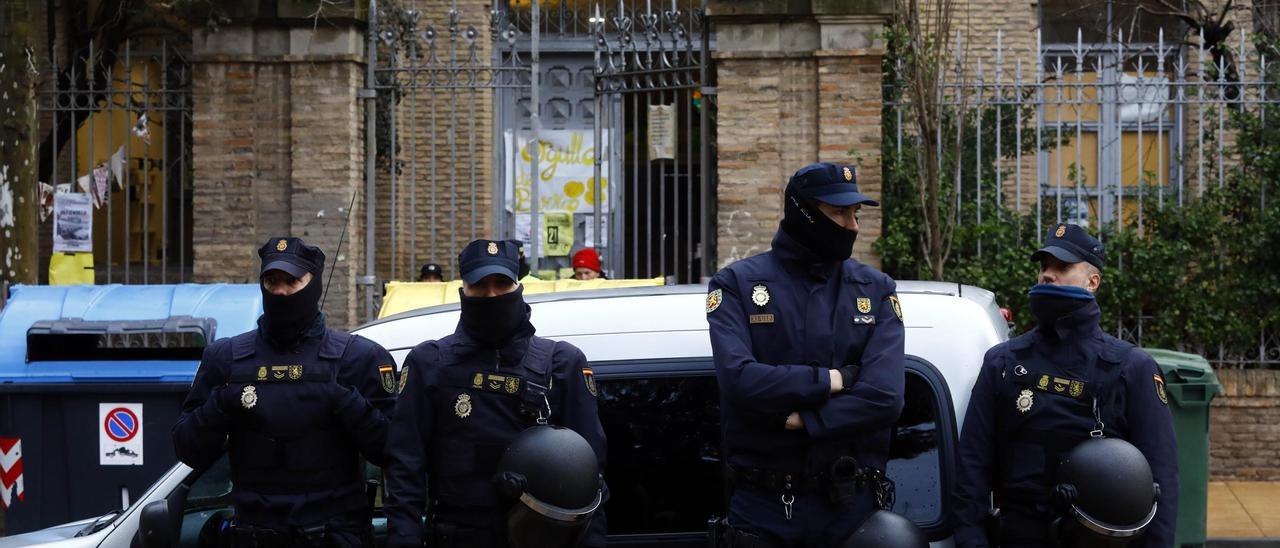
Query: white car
[[660, 409]]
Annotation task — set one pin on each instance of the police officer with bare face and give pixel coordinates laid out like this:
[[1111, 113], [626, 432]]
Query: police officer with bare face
[[808, 347], [295, 405], [495, 440]]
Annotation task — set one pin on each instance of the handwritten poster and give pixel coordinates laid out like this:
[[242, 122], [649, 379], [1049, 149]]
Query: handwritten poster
[[566, 172]]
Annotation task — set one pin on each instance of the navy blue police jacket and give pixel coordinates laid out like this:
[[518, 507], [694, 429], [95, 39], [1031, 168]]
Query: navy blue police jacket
[[779, 321], [294, 422], [1033, 402], [460, 406]]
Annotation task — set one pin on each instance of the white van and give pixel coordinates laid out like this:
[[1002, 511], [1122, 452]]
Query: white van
[[660, 409]]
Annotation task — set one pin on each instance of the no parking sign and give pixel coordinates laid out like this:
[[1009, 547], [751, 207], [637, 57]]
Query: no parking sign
[[120, 434]]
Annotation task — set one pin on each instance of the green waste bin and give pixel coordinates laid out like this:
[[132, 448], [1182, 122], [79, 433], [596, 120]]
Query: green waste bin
[[1191, 385]]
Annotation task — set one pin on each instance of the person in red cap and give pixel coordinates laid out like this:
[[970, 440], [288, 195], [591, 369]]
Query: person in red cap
[[586, 265]]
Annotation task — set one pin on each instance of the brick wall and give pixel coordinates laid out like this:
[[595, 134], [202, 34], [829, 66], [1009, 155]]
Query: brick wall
[[790, 93], [278, 150], [1244, 430]]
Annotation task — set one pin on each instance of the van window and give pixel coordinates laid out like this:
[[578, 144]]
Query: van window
[[914, 454], [664, 463]]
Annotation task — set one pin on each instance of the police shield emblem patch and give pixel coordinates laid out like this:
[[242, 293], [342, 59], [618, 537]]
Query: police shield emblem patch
[[493, 248], [864, 305], [513, 385], [713, 300], [282, 245], [295, 372], [897, 306], [1024, 401], [388, 375], [262, 373], [404, 378], [477, 381], [1062, 229], [1160, 393], [462, 407], [590, 378], [1077, 388]]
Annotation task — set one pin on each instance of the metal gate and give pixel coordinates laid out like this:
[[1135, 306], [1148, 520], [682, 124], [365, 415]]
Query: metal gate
[[653, 80], [462, 93], [116, 126]]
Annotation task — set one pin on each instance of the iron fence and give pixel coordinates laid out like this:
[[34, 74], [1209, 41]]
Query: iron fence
[[1088, 133], [117, 126]]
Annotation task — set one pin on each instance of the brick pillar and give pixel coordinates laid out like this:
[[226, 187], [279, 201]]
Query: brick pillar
[[279, 145], [797, 82]]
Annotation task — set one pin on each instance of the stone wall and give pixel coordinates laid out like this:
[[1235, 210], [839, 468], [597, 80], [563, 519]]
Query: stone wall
[[1244, 430]]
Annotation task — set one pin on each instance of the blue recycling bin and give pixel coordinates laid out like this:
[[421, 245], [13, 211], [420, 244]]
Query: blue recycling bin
[[91, 380]]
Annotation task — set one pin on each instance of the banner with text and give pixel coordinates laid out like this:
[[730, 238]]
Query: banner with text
[[566, 171]]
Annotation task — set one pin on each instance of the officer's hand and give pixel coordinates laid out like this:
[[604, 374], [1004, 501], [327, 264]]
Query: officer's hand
[[837, 380], [231, 397], [339, 395], [794, 422]]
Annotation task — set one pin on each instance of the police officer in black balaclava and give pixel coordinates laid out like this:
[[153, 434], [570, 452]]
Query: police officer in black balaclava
[[1042, 394], [808, 348], [295, 405], [466, 397]]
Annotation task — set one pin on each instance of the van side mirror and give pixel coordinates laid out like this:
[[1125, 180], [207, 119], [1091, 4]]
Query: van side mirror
[[160, 521], [155, 529]]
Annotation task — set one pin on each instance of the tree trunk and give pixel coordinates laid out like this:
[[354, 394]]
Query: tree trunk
[[19, 189]]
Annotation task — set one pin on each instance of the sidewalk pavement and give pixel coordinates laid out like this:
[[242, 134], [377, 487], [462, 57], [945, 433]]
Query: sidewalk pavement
[[1244, 510]]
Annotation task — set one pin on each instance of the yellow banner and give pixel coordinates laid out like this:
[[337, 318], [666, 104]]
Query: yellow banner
[[406, 296], [71, 268]]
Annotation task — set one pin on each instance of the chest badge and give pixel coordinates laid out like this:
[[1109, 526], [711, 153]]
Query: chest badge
[[759, 295], [1077, 388], [249, 397], [262, 373], [1024, 401], [864, 305], [462, 407], [295, 372]]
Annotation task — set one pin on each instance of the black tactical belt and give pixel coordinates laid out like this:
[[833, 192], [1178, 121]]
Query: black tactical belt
[[775, 481]]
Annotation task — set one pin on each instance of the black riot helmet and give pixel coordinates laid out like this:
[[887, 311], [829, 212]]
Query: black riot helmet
[[885, 529], [1106, 493], [554, 478]]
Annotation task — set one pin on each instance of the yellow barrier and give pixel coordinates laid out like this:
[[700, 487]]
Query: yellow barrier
[[405, 296]]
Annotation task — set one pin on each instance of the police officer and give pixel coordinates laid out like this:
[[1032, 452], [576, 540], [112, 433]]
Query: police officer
[[431, 272], [295, 405], [1040, 394], [808, 348], [466, 397]]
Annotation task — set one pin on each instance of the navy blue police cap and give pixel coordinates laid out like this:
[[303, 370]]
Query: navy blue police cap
[[829, 183], [431, 268], [487, 257], [292, 256], [1071, 244]]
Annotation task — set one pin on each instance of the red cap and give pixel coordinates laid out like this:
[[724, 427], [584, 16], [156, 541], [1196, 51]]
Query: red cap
[[587, 258]]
